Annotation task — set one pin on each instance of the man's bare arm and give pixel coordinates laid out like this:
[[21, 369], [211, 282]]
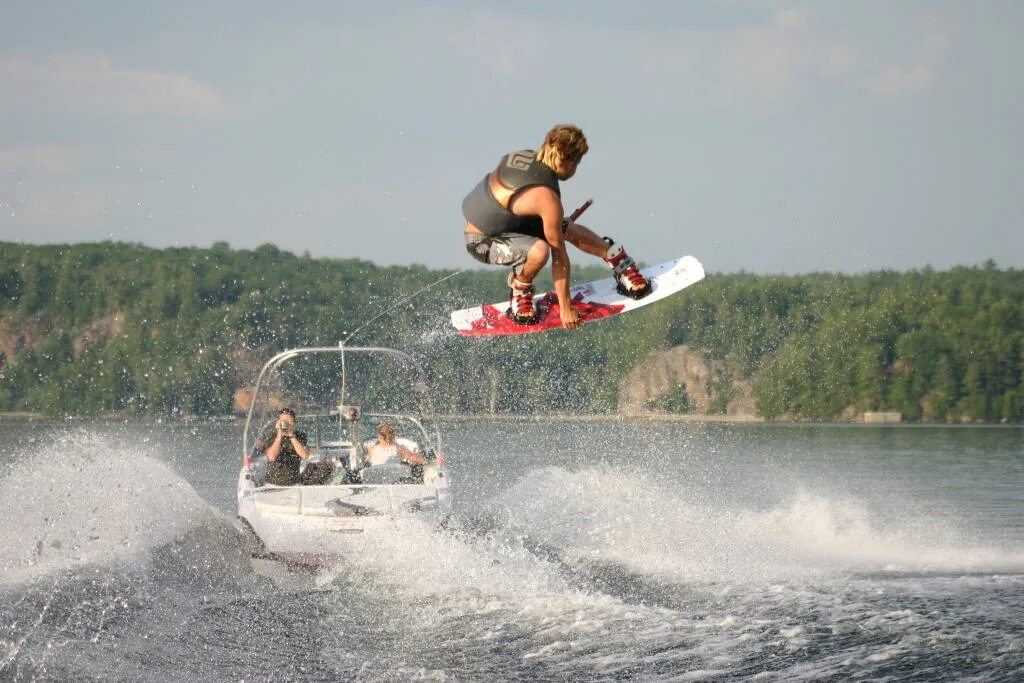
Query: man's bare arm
[[300, 448], [274, 449]]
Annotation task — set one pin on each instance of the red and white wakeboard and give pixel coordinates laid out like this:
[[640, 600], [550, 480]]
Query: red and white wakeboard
[[592, 300]]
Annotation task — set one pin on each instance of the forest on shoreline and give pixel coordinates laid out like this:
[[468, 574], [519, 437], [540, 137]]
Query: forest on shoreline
[[101, 328]]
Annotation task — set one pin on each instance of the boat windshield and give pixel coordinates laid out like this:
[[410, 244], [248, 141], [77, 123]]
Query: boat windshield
[[334, 430], [339, 396]]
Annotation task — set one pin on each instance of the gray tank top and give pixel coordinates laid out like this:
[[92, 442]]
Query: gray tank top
[[516, 171]]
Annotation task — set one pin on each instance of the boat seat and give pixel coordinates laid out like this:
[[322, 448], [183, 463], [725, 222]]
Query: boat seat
[[408, 443], [388, 473]]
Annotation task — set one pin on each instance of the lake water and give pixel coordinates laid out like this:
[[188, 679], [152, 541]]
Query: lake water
[[578, 551]]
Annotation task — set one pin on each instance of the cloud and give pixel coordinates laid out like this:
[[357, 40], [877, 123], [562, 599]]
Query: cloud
[[897, 79], [936, 35], [650, 65], [786, 50], [916, 74], [791, 20], [72, 213], [91, 82], [836, 60], [52, 160], [513, 46]]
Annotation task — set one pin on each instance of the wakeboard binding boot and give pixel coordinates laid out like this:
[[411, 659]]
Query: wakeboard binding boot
[[521, 309], [628, 279]]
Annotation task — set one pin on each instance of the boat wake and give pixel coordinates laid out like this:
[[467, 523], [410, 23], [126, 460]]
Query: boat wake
[[568, 571], [119, 569], [599, 516], [106, 556], [80, 504]]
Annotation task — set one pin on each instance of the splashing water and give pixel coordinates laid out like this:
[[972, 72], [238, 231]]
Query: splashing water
[[83, 500], [120, 570], [602, 515]]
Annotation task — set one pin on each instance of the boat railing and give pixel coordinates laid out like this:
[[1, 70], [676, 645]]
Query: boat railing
[[273, 365]]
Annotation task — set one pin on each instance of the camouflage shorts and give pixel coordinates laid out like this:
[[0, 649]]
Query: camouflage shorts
[[504, 249]]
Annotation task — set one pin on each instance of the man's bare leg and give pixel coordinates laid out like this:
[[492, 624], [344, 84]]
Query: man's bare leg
[[586, 240], [536, 259], [520, 305]]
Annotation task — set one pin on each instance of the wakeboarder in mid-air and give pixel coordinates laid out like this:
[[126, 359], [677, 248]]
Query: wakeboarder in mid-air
[[514, 217]]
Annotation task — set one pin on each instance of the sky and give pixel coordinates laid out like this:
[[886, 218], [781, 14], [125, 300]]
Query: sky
[[785, 137]]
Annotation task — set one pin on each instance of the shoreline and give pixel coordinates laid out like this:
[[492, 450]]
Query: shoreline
[[609, 417], [492, 417], [26, 416]]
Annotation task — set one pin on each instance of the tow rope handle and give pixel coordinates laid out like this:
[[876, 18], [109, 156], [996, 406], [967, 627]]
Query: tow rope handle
[[579, 212]]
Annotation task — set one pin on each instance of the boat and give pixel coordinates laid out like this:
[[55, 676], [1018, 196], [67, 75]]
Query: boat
[[340, 396]]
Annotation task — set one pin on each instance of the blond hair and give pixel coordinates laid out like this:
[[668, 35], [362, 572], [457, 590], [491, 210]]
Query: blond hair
[[563, 143], [386, 433]]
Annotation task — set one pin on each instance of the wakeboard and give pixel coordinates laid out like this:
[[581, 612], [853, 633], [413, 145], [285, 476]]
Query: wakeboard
[[592, 300]]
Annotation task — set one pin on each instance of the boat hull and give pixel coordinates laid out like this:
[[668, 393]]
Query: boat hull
[[325, 524]]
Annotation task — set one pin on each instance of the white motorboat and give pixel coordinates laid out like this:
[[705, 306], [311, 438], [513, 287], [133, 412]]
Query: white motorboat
[[356, 501]]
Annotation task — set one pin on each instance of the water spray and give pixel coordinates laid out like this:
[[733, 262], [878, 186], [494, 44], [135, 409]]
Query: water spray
[[403, 301]]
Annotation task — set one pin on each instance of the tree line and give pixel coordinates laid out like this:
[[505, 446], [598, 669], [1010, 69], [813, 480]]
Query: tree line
[[186, 327]]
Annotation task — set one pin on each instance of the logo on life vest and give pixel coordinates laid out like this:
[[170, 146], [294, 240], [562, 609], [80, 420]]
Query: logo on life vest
[[520, 161]]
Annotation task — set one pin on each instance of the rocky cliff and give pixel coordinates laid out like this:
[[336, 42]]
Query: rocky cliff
[[108, 326], [684, 380], [20, 336]]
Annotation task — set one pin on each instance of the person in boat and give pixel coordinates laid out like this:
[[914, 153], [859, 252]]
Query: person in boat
[[514, 217], [286, 448], [387, 450]]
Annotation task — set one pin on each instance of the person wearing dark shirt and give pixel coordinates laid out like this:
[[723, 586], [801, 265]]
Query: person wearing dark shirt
[[285, 449]]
